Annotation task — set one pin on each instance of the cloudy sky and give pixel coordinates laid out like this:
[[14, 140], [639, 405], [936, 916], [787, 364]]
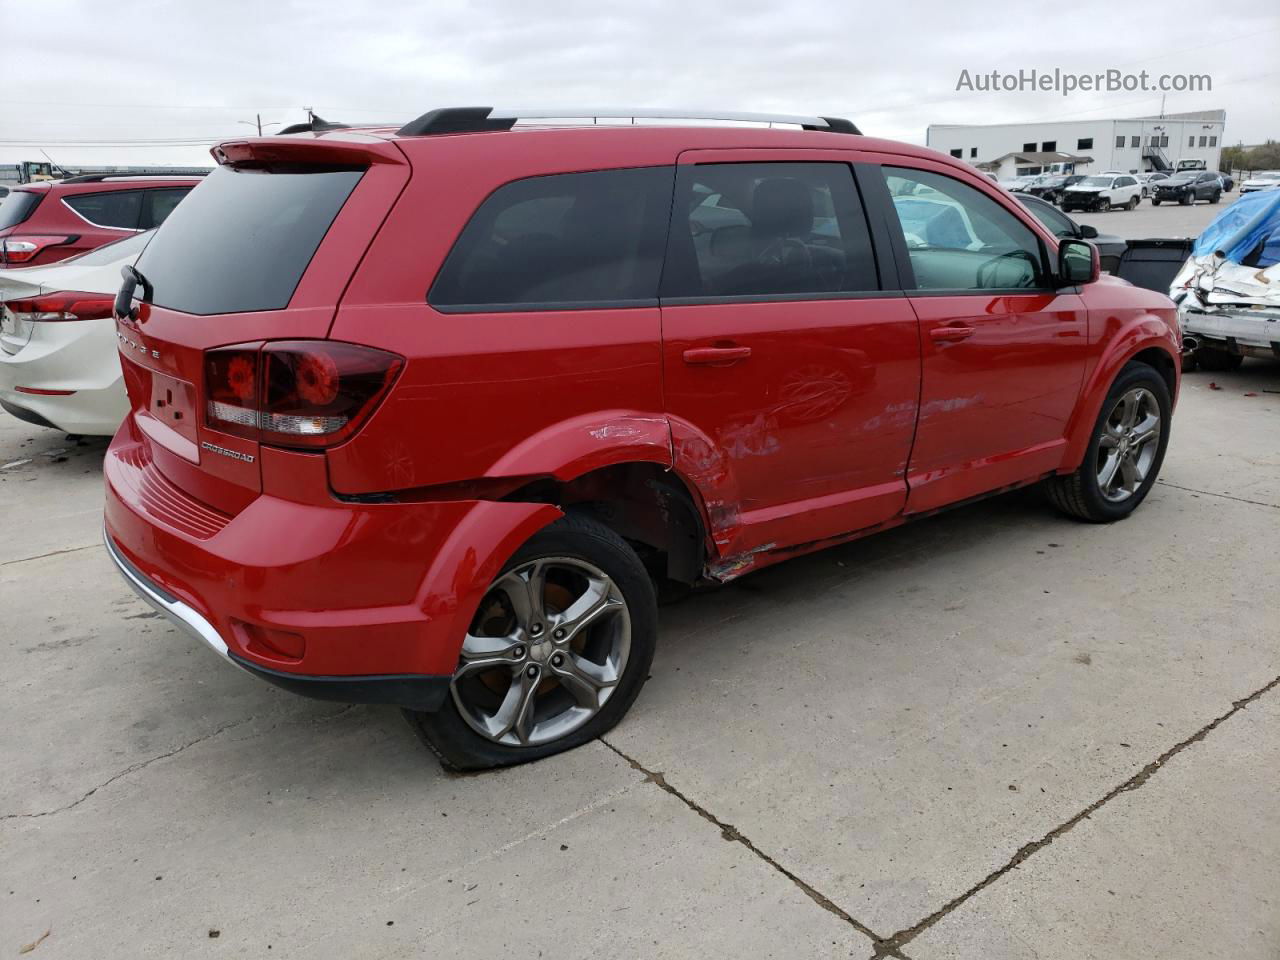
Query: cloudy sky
[[132, 81]]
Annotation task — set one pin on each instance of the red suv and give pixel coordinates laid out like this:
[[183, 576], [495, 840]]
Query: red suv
[[432, 416], [51, 221]]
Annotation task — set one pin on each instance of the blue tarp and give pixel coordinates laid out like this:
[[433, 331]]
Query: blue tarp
[[1239, 230]]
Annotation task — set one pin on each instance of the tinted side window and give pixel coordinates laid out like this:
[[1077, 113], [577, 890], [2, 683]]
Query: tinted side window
[[958, 238], [158, 204], [119, 208], [759, 229], [1057, 222], [18, 206], [570, 238]]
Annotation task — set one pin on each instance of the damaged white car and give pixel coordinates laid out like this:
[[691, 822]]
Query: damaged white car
[[1228, 291]]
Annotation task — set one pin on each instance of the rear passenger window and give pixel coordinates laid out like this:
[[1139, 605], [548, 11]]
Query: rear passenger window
[[958, 238], [767, 229], [120, 209], [573, 239], [158, 205]]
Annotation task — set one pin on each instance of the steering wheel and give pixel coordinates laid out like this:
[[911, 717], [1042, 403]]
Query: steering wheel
[[985, 271]]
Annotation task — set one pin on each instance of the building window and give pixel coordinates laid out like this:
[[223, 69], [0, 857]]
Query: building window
[[1049, 145], [1084, 143], [1120, 142], [1191, 141], [1213, 141], [957, 153], [1164, 140], [1135, 141], [973, 152], [1028, 148], [1204, 141]]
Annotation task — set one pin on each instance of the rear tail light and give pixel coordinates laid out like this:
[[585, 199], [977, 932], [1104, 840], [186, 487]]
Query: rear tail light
[[297, 393], [56, 307], [24, 249]]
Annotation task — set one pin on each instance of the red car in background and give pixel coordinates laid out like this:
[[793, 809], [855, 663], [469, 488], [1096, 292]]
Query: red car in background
[[430, 416], [53, 220]]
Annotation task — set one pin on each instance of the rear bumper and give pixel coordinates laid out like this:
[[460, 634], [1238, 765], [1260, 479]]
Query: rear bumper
[[1257, 329], [363, 603], [79, 357]]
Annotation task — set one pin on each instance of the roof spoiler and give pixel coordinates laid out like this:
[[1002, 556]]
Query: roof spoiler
[[477, 119]]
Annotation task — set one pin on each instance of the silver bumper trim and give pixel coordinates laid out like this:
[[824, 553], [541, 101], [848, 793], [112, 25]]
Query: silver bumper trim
[[177, 611]]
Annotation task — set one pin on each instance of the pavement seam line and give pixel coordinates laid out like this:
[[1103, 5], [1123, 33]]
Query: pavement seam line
[[51, 553], [729, 832], [1224, 496], [889, 946], [135, 767], [132, 768]]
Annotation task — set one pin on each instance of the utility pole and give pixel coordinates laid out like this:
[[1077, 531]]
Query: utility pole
[[257, 122]]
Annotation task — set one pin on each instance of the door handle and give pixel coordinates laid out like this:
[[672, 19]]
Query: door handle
[[950, 334], [714, 355]]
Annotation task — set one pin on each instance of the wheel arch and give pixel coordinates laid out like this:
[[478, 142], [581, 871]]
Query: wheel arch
[[1147, 340]]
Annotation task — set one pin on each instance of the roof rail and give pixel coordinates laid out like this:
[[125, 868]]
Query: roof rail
[[100, 177], [473, 119]]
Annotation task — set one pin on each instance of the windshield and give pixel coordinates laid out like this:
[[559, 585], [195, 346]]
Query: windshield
[[242, 239], [1185, 175], [17, 206], [1095, 182]]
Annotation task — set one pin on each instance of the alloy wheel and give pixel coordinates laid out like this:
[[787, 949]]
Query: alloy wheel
[[544, 654], [1128, 444]]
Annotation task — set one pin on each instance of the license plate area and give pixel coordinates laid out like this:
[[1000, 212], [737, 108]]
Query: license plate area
[[173, 403]]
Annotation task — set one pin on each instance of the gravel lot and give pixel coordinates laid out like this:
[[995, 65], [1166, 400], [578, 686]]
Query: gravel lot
[[996, 733]]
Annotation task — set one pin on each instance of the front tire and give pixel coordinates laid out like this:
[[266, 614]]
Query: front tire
[[556, 655], [1155, 202], [1124, 456]]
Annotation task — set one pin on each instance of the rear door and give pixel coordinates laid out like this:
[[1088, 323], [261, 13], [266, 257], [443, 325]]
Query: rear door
[[790, 375], [1003, 349], [259, 251]]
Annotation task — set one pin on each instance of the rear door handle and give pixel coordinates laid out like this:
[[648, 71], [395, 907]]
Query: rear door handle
[[950, 334], [712, 355]]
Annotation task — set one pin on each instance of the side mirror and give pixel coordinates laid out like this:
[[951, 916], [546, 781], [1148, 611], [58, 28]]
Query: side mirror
[[1078, 262], [1088, 232]]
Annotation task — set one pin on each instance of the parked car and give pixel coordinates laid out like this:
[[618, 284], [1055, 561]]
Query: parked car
[[1017, 184], [1188, 187], [437, 437], [1102, 192], [1050, 188], [58, 362], [1110, 247], [58, 219], [1149, 181], [1262, 180]]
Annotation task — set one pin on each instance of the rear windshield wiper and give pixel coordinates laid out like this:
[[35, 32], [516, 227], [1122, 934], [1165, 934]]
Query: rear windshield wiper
[[133, 279]]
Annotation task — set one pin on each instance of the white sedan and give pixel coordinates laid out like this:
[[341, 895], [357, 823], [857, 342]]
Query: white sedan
[[59, 366], [1263, 180]]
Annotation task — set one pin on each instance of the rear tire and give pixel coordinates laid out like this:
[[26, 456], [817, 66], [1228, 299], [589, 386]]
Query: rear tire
[[617, 595], [1134, 201], [1216, 197], [1138, 395], [1217, 361]]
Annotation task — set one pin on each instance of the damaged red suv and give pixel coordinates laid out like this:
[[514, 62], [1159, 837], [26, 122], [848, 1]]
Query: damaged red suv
[[431, 416]]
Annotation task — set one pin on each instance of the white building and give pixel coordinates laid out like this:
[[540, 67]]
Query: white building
[[1134, 145]]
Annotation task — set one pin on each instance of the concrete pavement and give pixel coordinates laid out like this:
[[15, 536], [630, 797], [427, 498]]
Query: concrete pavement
[[995, 733]]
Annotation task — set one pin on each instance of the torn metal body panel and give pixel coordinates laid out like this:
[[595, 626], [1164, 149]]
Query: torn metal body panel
[[1228, 291]]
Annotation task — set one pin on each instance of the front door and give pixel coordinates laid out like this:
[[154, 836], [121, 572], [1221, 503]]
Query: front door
[[790, 378], [1003, 350]]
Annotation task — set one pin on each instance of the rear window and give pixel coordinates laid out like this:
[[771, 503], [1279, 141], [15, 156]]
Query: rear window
[[17, 206], [242, 240]]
